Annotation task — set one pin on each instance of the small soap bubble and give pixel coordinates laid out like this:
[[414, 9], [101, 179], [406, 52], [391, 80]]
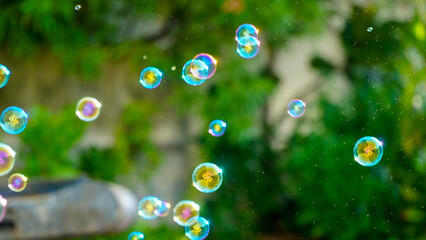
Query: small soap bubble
[[7, 159], [173, 68], [88, 109], [187, 74], [77, 7], [17, 182], [250, 47], [185, 210], [245, 31], [296, 108], [207, 177], [4, 75], [207, 69], [135, 236], [144, 57], [217, 128], [370, 29], [368, 151], [148, 207], [197, 228], [3, 204], [151, 77], [164, 209], [13, 120]]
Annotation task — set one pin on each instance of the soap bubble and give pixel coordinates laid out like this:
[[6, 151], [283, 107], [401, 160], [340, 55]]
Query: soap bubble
[[197, 228], [207, 177], [151, 77], [368, 151], [187, 72], [7, 159], [4, 75], [77, 7], [296, 108], [148, 207], [88, 109], [217, 128], [245, 31], [206, 70], [185, 210], [164, 209], [370, 29], [135, 236], [249, 48], [13, 120], [17, 182], [3, 204]]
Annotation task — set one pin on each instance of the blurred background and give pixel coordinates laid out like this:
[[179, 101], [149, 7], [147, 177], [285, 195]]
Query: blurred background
[[284, 177]]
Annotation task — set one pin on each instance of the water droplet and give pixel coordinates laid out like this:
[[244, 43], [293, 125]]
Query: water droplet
[[207, 177], [148, 207], [185, 210], [88, 109], [151, 77], [217, 128], [7, 159], [13, 120], [17, 182], [296, 108], [368, 151], [4, 75], [197, 228]]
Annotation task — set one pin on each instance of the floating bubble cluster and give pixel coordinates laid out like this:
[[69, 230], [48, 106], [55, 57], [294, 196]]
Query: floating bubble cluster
[[197, 70], [4, 75], [296, 108], [370, 29], [3, 203], [151, 77], [368, 151], [148, 207], [185, 210], [88, 109], [197, 228], [248, 45], [17, 182], [13, 120], [207, 177], [164, 209], [135, 236], [217, 128], [7, 159]]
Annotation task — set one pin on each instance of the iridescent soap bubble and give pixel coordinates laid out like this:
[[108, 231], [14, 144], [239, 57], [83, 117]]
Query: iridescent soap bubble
[[148, 207], [3, 204], [13, 120], [17, 182], [245, 31], [151, 77], [370, 29], [250, 47], [207, 177], [187, 74], [207, 69], [197, 228], [368, 151], [296, 108], [88, 109], [77, 7], [164, 209], [217, 128], [4, 75], [135, 236], [185, 210], [7, 159]]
